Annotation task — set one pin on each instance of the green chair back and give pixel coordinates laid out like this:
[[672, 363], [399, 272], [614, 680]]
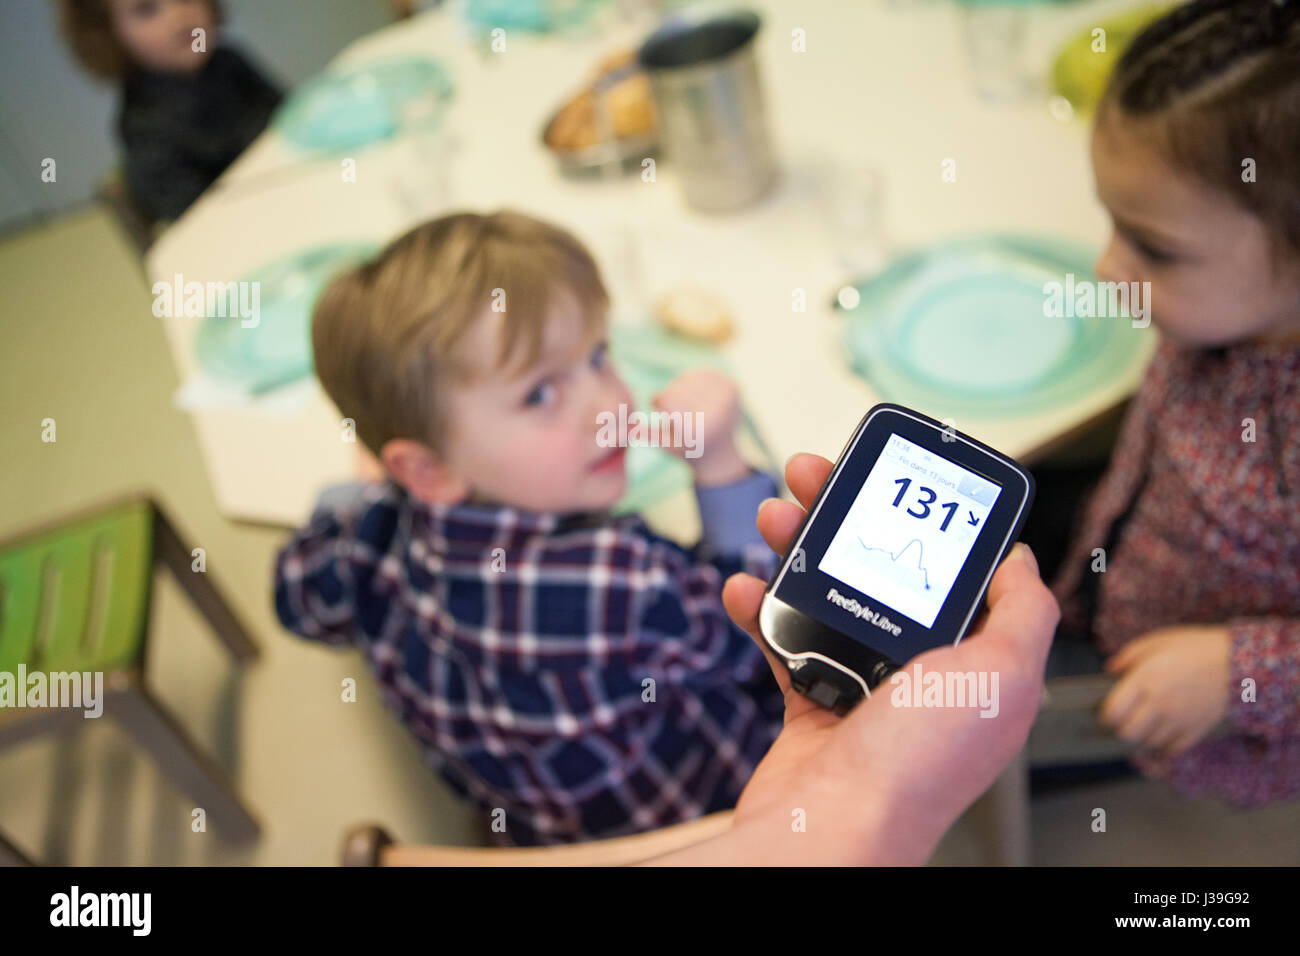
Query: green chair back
[[76, 598]]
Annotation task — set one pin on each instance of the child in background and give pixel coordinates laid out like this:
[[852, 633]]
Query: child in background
[[1196, 155], [188, 108], [561, 664]]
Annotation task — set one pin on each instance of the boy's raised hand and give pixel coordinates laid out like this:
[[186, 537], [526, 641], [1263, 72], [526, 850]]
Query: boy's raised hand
[[714, 459]]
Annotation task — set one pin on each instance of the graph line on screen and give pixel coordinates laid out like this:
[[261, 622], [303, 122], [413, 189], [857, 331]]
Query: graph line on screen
[[895, 557]]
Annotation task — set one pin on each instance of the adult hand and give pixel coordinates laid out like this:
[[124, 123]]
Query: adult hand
[[884, 783]]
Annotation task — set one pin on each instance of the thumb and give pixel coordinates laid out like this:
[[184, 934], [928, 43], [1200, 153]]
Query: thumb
[[1023, 612]]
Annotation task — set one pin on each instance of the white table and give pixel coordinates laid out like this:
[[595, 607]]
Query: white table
[[883, 84]]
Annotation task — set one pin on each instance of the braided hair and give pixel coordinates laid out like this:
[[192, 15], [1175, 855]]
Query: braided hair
[[1217, 82]]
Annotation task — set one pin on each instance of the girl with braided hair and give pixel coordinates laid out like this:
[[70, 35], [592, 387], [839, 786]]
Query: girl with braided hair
[[1185, 568]]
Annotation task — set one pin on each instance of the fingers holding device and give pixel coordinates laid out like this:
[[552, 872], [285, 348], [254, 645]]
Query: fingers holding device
[[895, 555]]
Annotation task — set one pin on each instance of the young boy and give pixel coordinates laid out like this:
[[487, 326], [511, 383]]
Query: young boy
[[558, 663]]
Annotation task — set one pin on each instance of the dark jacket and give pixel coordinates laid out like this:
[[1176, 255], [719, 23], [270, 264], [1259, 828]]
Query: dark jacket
[[181, 131]]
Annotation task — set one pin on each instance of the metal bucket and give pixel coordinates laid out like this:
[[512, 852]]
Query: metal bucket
[[713, 125]]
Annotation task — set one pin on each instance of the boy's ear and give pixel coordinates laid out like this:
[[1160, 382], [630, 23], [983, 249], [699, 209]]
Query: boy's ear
[[415, 467]]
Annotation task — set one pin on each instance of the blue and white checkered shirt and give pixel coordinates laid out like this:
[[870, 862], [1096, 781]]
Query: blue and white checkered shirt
[[577, 671]]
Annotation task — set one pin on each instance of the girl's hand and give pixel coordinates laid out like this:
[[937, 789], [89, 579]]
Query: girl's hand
[[1174, 687], [711, 450]]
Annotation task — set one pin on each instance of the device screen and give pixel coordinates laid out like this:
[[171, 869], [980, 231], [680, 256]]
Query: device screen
[[910, 529]]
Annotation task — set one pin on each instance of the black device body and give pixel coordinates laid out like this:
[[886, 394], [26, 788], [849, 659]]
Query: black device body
[[858, 595]]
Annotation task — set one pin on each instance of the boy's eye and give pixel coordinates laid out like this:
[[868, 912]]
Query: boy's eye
[[542, 394], [599, 355]]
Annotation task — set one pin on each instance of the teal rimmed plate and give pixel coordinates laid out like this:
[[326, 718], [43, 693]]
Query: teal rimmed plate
[[534, 16], [351, 106], [982, 326], [274, 348]]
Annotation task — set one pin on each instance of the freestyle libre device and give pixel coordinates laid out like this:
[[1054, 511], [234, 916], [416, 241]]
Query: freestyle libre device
[[895, 555]]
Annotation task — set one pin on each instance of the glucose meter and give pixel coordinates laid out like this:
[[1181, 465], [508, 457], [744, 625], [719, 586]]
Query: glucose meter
[[895, 555]]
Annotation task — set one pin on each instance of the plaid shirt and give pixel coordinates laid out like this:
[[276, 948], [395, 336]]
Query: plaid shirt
[[577, 671]]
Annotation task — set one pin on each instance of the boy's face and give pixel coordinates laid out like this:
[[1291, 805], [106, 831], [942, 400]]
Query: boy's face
[[528, 439], [159, 34], [1209, 261]]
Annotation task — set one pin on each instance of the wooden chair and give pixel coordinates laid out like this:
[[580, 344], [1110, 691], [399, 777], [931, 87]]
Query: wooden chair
[[370, 845], [1065, 733], [75, 598]]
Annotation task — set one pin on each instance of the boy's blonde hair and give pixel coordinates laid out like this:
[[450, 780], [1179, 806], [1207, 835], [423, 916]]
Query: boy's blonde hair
[[385, 333]]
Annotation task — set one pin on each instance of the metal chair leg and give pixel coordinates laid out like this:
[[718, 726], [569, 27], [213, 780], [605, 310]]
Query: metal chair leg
[[145, 719], [1005, 815], [216, 610]]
